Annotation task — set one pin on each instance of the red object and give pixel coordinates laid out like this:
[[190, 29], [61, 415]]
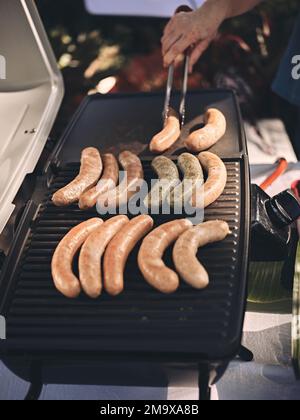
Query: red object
[[296, 188], [280, 170]]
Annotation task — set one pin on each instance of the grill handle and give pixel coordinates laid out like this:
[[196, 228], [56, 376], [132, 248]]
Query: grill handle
[[272, 224]]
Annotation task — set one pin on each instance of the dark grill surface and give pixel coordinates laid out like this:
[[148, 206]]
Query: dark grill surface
[[200, 324], [141, 323]]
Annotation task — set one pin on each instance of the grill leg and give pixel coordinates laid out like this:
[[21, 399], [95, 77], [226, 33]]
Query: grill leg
[[204, 383], [36, 385]]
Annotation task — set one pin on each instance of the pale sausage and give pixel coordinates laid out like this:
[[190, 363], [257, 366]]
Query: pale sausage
[[90, 172], [131, 184], [216, 181], [150, 258], [119, 249], [64, 279], [168, 136], [186, 248], [90, 259], [210, 134], [107, 182]]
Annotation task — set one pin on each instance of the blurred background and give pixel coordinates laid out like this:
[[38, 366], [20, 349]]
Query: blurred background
[[120, 54]]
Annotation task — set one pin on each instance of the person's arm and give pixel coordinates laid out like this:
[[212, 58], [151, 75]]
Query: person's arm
[[198, 28]]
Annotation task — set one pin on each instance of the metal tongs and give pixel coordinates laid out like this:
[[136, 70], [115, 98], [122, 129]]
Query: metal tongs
[[184, 83]]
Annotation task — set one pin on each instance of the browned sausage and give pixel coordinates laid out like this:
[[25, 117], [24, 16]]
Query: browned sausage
[[150, 261], [209, 135], [64, 279], [186, 248], [168, 175], [90, 172], [118, 251], [107, 182], [168, 136], [216, 181], [90, 259], [129, 186], [193, 179]]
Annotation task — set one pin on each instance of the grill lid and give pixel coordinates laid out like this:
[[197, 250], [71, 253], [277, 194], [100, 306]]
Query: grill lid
[[31, 91]]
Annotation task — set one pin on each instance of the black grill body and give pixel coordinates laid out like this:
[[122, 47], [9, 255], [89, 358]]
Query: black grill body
[[141, 324]]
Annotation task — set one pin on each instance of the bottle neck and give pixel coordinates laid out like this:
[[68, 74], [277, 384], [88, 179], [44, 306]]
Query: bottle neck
[[283, 209]]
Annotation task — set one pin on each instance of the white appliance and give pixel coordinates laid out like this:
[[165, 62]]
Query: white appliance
[[30, 96]]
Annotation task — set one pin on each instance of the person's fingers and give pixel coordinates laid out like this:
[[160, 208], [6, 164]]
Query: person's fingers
[[169, 35], [165, 36], [175, 24], [170, 26], [170, 41], [197, 52], [178, 48]]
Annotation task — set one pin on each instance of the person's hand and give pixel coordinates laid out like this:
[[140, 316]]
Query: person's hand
[[192, 29]]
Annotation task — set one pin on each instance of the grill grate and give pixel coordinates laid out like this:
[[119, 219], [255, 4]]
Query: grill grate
[[141, 319]]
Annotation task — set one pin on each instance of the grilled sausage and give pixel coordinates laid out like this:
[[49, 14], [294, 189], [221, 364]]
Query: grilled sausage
[[90, 272], [150, 261], [206, 137], [193, 178], [168, 175], [108, 181], [64, 279], [90, 172], [118, 251], [216, 181], [129, 186], [186, 248], [168, 136]]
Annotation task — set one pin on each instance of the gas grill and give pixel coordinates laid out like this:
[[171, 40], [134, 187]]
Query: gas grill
[[141, 324]]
